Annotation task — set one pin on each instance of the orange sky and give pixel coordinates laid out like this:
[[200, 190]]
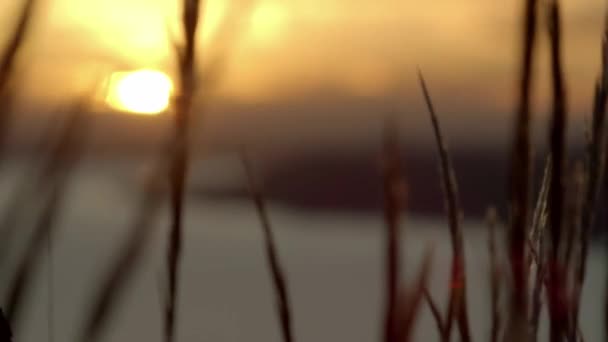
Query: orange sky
[[278, 48]]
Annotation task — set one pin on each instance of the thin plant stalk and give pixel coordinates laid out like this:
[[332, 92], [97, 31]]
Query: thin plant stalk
[[50, 290], [178, 172], [538, 251], [596, 161], [121, 270], [410, 303], [6, 335], [8, 60], [392, 207], [605, 244], [495, 276], [28, 265], [574, 203], [278, 275], [539, 217], [9, 56], [62, 160], [557, 302], [520, 177], [436, 312], [458, 294]]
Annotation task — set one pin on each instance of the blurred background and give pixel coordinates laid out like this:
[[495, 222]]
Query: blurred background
[[306, 86], [309, 84]]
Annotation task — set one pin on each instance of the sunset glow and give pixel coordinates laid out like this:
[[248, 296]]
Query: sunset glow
[[145, 92], [299, 47], [266, 22]]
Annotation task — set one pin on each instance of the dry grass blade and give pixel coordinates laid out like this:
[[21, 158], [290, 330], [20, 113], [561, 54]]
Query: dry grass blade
[[436, 312], [557, 309], [557, 132], [9, 56], [50, 312], [409, 304], [538, 251], [55, 168], [122, 268], [393, 188], [495, 275], [58, 169], [520, 175], [179, 165], [606, 258], [7, 62], [596, 161], [28, 265], [458, 295], [537, 299], [539, 217], [22, 198], [20, 203], [278, 275], [573, 212], [6, 334]]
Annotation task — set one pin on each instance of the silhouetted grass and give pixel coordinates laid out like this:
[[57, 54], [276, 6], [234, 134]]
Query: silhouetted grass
[[6, 334], [393, 197], [122, 268], [8, 60], [519, 187], [278, 275], [557, 277], [550, 246], [595, 167], [63, 159], [538, 251], [179, 165], [496, 276], [7, 65], [409, 303], [436, 312], [457, 306]]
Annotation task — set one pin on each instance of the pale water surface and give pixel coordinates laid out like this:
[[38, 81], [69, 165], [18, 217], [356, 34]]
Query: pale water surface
[[333, 263]]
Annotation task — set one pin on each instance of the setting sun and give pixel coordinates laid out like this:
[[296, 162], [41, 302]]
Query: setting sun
[[266, 21], [145, 92]]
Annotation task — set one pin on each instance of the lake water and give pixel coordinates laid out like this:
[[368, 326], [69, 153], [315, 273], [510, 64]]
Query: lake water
[[333, 264]]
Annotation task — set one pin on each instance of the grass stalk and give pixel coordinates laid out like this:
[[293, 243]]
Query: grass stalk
[[539, 218], [436, 312], [178, 172], [595, 167], [557, 281], [20, 285], [495, 276], [121, 270], [278, 275], [6, 335], [573, 212], [8, 60], [409, 303], [537, 248], [520, 177], [458, 294], [15, 43], [392, 183], [59, 166]]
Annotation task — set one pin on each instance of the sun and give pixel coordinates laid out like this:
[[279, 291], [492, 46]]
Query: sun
[[146, 92], [267, 22]]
